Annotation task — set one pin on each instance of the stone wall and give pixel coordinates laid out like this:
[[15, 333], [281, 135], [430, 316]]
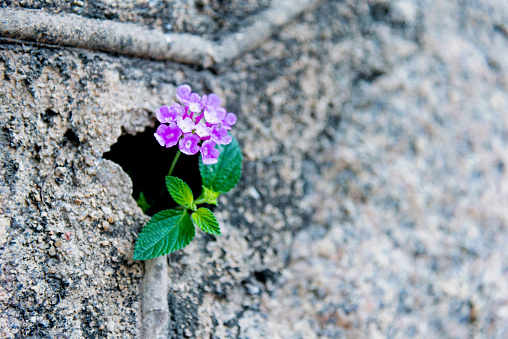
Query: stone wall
[[374, 195]]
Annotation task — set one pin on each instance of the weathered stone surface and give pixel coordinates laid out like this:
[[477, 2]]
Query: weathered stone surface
[[373, 200], [62, 272], [210, 18]]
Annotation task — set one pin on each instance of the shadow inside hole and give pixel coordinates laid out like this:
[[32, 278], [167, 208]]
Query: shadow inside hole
[[147, 163]]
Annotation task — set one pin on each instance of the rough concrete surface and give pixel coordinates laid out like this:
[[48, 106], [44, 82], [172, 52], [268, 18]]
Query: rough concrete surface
[[131, 39], [373, 202], [209, 18]]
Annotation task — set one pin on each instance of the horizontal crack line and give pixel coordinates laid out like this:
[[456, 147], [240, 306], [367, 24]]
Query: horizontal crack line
[[71, 30]]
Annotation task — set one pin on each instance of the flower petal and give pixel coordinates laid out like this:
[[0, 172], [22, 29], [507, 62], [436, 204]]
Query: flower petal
[[202, 130], [215, 115], [186, 125], [209, 153], [220, 135], [189, 144], [229, 120], [168, 135], [183, 92], [213, 100], [166, 114]]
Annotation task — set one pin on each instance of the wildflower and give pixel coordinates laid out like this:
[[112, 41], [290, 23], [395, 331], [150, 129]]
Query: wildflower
[[178, 108], [189, 144], [215, 115], [168, 135], [183, 92], [210, 102], [220, 135], [229, 121], [209, 153], [194, 103], [197, 123], [202, 130], [186, 125], [167, 114]]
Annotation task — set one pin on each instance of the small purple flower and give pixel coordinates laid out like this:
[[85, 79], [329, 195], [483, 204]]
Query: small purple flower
[[194, 103], [220, 135], [229, 121], [189, 144], [215, 115], [186, 125], [202, 130], [182, 93], [211, 101], [209, 153], [199, 123], [168, 135], [167, 114], [180, 110]]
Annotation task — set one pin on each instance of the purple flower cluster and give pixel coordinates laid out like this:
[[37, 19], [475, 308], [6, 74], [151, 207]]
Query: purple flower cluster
[[197, 123]]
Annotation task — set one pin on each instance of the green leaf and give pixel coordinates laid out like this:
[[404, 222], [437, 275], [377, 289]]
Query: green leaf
[[142, 203], [180, 192], [166, 232], [204, 219], [224, 175], [208, 196]]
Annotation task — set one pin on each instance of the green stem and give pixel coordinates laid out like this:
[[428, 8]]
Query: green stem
[[199, 201], [174, 162]]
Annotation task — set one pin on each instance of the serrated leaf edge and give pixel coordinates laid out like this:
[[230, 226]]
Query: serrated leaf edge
[[219, 163], [199, 225], [186, 188], [137, 255]]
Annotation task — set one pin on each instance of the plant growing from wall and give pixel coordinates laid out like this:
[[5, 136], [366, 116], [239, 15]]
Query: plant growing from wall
[[196, 124]]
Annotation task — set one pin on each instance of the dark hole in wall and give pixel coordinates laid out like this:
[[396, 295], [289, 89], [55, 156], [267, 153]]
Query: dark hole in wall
[[265, 275], [147, 163], [71, 136], [380, 11], [48, 116]]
